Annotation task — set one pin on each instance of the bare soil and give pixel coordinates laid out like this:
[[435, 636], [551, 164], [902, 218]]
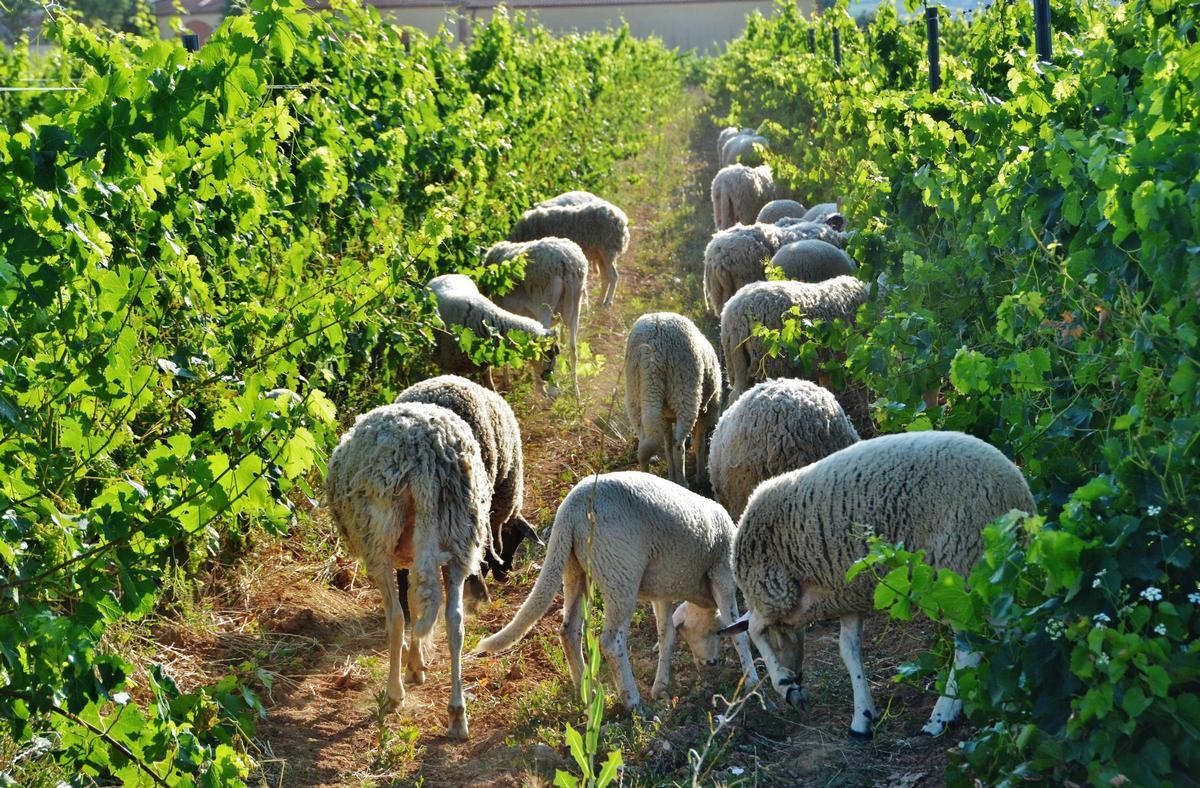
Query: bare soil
[[314, 628]]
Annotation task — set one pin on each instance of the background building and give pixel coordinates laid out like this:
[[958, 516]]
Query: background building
[[688, 24]]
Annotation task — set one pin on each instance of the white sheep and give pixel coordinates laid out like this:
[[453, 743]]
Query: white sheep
[[638, 537], [495, 428], [728, 133], [672, 390], [821, 212], [739, 193], [743, 148], [600, 228], [779, 209], [738, 256], [802, 531], [407, 488], [460, 304], [555, 283], [777, 426], [766, 303], [812, 260]]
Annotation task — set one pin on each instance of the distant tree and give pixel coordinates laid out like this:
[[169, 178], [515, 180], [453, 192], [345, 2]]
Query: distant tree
[[24, 16]]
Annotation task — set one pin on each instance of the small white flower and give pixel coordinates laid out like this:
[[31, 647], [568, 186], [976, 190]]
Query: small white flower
[[1096, 583], [1194, 597], [1102, 660], [1152, 594], [736, 771], [1161, 629], [1153, 511], [1054, 629], [1100, 619]]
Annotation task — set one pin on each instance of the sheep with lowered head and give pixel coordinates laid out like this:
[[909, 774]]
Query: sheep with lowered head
[[802, 531], [744, 149], [460, 304], [739, 193], [407, 488], [779, 209], [728, 133], [812, 260], [636, 536], [766, 303], [555, 283], [672, 390], [738, 256], [803, 422], [495, 427], [600, 228]]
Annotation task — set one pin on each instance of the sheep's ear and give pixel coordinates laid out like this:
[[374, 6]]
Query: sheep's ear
[[679, 616], [526, 530], [737, 627]]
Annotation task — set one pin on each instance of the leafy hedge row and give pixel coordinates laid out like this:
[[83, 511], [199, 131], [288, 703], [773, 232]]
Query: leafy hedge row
[[182, 236], [1039, 225]]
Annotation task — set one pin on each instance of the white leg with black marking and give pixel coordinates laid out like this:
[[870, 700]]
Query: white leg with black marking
[[786, 683], [949, 705], [850, 647]]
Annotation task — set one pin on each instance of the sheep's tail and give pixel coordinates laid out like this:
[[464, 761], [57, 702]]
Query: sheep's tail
[[734, 345], [548, 584]]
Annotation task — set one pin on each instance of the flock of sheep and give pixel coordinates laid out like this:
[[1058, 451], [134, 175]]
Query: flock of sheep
[[432, 484]]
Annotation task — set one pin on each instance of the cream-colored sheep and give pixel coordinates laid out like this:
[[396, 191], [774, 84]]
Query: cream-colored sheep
[[407, 488], [812, 260], [460, 304], [600, 228], [777, 426], [636, 536], [555, 283], [766, 303], [739, 193], [802, 531], [672, 390]]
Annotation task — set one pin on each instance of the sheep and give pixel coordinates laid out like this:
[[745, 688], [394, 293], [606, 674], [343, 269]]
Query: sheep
[[599, 227], [638, 537], [821, 212], [779, 209], [765, 303], [738, 256], [672, 390], [555, 282], [728, 133], [495, 428], [460, 304], [407, 487], [743, 148], [803, 421], [802, 531], [739, 193], [812, 260]]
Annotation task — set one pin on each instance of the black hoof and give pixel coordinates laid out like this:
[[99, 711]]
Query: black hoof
[[864, 736]]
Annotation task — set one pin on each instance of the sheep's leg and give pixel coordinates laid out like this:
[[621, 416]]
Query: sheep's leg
[[949, 705], [614, 642], [571, 321], [850, 647], [414, 650], [700, 448], [608, 270], [786, 683], [789, 645], [574, 587], [647, 447], [725, 595], [677, 462], [666, 645], [488, 379], [385, 579], [454, 577]]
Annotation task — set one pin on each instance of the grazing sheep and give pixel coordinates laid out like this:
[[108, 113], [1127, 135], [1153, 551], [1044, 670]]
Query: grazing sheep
[[802, 531], [801, 422], [744, 149], [638, 537], [407, 488], [672, 390], [728, 133], [812, 260], [495, 427], [739, 193], [735, 257], [779, 209], [765, 303], [460, 303], [821, 212], [599, 227], [555, 283]]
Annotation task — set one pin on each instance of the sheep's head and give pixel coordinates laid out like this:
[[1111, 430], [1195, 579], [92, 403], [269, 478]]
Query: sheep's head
[[699, 626]]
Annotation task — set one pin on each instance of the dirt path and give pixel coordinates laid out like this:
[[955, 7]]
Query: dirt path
[[314, 631]]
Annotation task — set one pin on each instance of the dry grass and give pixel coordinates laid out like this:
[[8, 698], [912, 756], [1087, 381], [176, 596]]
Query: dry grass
[[299, 614]]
